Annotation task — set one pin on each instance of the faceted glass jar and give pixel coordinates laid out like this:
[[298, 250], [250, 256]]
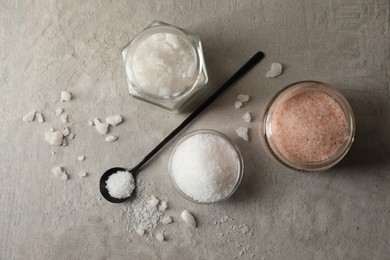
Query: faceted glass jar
[[318, 127], [165, 66]]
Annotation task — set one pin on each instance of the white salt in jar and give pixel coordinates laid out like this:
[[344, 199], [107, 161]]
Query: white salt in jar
[[164, 66], [205, 167]]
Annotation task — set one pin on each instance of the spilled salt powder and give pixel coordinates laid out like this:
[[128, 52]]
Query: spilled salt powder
[[120, 184], [205, 167]]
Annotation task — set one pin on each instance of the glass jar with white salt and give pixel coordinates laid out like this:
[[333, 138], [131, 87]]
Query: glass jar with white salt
[[165, 66]]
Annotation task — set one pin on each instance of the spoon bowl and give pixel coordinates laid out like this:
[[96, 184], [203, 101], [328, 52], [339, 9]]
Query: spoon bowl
[[103, 189]]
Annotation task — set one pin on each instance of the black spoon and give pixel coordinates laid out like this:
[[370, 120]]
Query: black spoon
[[241, 72]]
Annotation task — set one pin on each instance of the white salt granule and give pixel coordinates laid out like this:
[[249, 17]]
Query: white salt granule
[[57, 171], [237, 104], [65, 96], [29, 117], [205, 167], [163, 205], [39, 117], [140, 231], [164, 64], [247, 117], [114, 120], [65, 131], [90, 123], [243, 133], [160, 236], [82, 174], [59, 112], [64, 118], [243, 98], [111, 138], [276, 70], [188, 218], [153, 201], [54, 138], [81, 158], [101, 128], [120, 184], [166, 220]]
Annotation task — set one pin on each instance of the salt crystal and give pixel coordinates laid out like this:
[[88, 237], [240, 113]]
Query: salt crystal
[[40, 117], [114, 120], [82, 174], [247, 117], [59, 112], [29, 117], [64, 176], [102, 128], [81, 158], [276, 70], [54, 138], [53, 153], [188, 218], [65, 131], [166, 220], [71, 135], [57, 171], [90, 123], [51, 129], [160, 236], [120, 184], [64, 118], [65, 96], [163, 205], [243, 133], [111, 138], [153, 201], [237, 104], [140, 231], [243, 98]]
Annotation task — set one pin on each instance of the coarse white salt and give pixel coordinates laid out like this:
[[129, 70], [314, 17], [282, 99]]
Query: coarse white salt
[[59, 112], [140, 231], [188, 218], [114, 120], [153, 201], [276, 70], [40, 117], [205, 167], [29, 117], [166, 220], [243, 133], [54, 138], [65, 131], [163, 205], [164, 64], [65, 96], [81, 158], [101, 128], [57, 171], [90, 123], [82, 174], [120, 184], [64, 118], [111, 138], [160, 236], [243, 98], [247, 117], [238, 104]]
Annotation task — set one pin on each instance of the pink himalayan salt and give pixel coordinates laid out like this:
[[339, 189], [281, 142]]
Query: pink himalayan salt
[[309, 127]]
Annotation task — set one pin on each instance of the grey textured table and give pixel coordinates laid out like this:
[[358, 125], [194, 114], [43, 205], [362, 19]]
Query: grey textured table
[[49, 46]]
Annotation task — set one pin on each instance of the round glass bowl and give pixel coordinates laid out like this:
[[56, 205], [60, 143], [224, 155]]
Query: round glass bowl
[[307, 126], [164, 65], [205, 167]]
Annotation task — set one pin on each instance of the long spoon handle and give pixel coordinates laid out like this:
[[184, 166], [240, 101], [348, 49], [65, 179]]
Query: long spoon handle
[[236, 76]]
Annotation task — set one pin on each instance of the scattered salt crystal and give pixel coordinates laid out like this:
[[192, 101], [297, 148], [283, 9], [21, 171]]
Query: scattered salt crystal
[[160, 236], [59, 112], [247, 117], [65, 96], [243, 133], [40, 117], [243, 98], [111, 138], [276, 70], [114, 120], [188, 218], [153, 201], [140, 231], [166, 220], [29, 117], [64, 176], [64, 118], [71, 135], [102, 128], [81, 158], [82, 174], [57, 171], [65, 131], [53, 153], [51, 129], [237, 104], [120, 184], [90, 123], [54, 138], [163, 205]]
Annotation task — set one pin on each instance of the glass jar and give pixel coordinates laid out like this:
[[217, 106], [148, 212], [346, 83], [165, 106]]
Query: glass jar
[[215, 184], [307, 126], [164, 66]]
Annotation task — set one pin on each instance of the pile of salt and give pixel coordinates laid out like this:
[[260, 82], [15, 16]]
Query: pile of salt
[[120, 184]]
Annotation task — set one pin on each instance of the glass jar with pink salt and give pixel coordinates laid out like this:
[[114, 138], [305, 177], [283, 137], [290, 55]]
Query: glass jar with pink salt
[[307, 126]]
